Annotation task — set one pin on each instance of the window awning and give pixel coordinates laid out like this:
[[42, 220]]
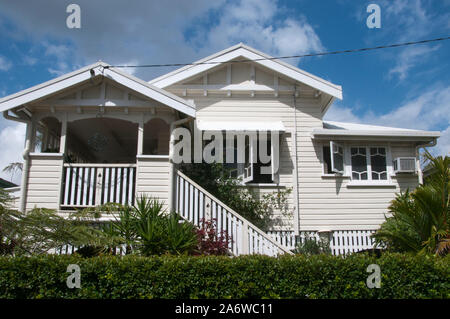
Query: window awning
[[205, 125]]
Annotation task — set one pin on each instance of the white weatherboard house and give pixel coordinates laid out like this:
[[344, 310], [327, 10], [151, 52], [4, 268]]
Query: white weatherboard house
[[100, 135]]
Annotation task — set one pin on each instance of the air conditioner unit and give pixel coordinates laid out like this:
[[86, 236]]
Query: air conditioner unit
[[405, 165]]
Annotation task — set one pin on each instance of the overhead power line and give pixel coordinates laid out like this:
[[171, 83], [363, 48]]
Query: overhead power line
[[395, 45]]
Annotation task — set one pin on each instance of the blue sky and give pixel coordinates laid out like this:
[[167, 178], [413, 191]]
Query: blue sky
[[404, 87]]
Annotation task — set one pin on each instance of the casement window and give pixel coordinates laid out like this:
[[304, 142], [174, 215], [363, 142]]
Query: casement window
[[326, 157], [249, 169], [337, 158], [369, 163], [364, 163], [333, 159]]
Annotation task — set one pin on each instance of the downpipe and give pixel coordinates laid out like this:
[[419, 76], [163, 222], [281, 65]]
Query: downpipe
[[26, 157]]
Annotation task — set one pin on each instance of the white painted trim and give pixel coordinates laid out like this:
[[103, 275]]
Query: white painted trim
[[98, 165], [98, 102], [152, 156], [371, 183], [46, 154], [245, 52], [151, 92], [249, 126], [326, 133], [83, 75]]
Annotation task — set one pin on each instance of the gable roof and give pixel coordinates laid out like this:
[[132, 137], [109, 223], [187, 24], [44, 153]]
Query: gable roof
[[342, 130], [97, 69], [242, 50]]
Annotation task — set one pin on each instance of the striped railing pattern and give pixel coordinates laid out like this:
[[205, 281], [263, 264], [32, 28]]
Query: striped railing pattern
[[194, 203], [342, 242], [86, 185]]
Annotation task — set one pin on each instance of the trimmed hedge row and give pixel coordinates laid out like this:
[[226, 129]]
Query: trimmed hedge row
[[402, 276]]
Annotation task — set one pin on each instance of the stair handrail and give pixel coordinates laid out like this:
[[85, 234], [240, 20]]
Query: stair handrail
[[250, 224]]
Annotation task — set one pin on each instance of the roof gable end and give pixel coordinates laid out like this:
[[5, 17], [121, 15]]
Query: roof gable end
[[258, 57], [84, 74]]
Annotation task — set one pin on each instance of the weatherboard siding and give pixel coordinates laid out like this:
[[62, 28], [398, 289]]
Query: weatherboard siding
[[325, 203], [152, 178], [44, 181], [260, 108], [329, 203]]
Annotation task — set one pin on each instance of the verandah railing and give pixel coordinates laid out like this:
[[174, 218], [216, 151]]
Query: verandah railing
[[86, 185], [194, 203]]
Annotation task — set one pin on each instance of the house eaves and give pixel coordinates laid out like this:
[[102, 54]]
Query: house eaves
[[351, 131]]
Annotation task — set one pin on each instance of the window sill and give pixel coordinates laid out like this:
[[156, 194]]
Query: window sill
[[370, 184]]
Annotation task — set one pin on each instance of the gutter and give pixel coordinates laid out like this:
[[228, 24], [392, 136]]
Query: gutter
[[26, 157], [171, 164]]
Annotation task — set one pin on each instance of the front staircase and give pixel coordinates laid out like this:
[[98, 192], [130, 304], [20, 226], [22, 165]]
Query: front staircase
[[194, 204]]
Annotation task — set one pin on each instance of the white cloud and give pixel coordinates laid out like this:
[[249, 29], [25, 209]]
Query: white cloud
[[148, 31], [409, 58], [428, 111], [5, 64], [11, 143], [410, 20], [340, 113], [258, 23], [28, 60], [443, 145]]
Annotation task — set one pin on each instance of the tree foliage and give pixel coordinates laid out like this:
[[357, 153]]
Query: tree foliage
[[420, 219]]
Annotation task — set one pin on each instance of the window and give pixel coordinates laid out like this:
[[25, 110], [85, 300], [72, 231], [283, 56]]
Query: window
[[326, 160], [337, 158], [362, 163], [251, 169], [368, 163], [258, 176], [359, 163], [378, 163]]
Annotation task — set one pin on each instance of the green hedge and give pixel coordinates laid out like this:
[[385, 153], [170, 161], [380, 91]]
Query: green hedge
[[403, 276]]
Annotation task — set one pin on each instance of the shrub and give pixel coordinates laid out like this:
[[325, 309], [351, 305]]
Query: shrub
[[320, 276], [209, 241], [147, 228], [311, 246]]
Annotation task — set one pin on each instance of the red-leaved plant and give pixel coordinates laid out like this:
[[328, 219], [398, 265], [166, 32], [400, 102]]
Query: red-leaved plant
[[210, 241]]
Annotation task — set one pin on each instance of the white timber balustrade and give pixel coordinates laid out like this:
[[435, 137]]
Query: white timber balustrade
[[194, 203], [86, 185]]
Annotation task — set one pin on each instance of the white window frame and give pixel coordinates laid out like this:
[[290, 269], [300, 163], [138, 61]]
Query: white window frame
[[369, 179], [334, 145]]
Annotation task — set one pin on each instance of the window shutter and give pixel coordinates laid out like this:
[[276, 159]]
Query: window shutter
[[337, 157]]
